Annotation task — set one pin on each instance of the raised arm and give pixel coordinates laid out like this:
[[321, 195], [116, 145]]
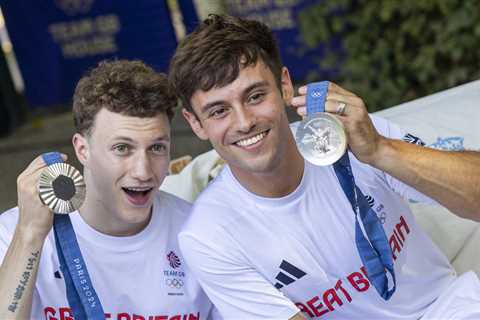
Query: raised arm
[[451, 178], [18, 271]]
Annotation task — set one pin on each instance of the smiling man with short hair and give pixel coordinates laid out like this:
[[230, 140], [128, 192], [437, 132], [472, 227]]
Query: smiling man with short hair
[[276, 237]]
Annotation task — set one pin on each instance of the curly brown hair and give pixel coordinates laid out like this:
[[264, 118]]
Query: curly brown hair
[[214, 53], [127, 87]]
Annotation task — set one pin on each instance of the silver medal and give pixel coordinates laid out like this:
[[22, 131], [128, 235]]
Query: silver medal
[[61, 188], [321, 139]]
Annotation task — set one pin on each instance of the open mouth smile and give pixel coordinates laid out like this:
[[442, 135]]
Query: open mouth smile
[[138, 195]]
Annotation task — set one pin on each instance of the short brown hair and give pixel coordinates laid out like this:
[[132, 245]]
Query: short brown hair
[[214, 52], [127, 87]]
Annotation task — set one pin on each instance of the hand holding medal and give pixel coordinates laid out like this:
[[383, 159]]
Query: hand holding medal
[[62, 189], [40, 191], [372, 243], [320, 136], [61, 186], [333, 116]]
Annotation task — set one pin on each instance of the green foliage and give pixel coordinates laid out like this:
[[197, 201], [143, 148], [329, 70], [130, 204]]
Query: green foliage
[[395, 51]]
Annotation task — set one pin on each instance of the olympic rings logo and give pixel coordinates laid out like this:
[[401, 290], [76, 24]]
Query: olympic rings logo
[[316, 94], [174, 283]]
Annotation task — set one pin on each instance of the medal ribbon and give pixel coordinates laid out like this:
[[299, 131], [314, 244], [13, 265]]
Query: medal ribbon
[[375, 253], [81, 295]]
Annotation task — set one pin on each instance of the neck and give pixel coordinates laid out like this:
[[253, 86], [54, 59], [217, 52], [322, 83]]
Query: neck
[[280, 181], [99, 218]]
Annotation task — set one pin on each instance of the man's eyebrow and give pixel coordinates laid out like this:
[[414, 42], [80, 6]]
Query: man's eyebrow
[[123, 138], [253, 86], [245, 92], [165, 137], [211, 105]]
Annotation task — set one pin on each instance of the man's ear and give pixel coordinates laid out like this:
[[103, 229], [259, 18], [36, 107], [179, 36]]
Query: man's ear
[[80, 144], [194, 124], [287, 86]]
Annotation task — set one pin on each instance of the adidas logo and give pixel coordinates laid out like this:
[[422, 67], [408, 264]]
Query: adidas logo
[[370, 200], [289, 274], [410, 138]]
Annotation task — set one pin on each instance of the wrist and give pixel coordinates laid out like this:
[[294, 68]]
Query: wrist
[[385, 150], [31, 231]]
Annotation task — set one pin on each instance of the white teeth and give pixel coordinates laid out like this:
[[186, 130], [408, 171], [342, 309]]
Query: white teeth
[[138, 189], [252, 140]]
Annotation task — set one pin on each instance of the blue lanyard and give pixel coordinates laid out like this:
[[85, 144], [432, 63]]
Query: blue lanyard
[[375, 253], [81, 295]]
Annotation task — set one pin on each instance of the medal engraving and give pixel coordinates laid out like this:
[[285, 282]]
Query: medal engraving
[[321, 139], [61, 188]]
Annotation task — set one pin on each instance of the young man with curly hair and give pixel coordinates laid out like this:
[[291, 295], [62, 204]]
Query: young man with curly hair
[[126, 229]]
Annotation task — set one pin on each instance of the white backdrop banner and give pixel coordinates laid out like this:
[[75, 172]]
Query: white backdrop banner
[[449, 119]]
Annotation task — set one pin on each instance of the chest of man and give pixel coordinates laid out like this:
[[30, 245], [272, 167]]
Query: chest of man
[[306, 248], [148, 284]]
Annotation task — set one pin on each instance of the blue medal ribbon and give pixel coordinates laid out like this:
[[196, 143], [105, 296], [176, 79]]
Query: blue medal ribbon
[[316, 97], [375, 253], [81, 295]]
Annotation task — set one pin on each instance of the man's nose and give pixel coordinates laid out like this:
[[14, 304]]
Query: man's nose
[[245, 119], [142, 168]]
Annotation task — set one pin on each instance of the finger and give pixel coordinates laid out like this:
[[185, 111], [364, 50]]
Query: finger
[[62, 155], [299, 101], [302, 111], [352, 100], [39, 164], [332, 103], [350, 110], [302, 90], [333, 106], [333, 87]]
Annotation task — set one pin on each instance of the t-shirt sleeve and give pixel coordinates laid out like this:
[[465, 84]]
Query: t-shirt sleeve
[[3, 244], [37, 310], [7, 226], [8, 222], [236, 289], [393, 131]]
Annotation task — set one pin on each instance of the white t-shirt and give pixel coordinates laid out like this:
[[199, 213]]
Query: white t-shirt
[[242, 247], [139, 277]]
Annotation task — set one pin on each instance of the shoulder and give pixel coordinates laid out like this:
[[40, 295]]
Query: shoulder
[[387, 128], [172, 205], [216, 211], [223, 191], [223, 194], [172, 201]]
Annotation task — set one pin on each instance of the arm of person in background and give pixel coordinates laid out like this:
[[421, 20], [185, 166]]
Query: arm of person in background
[[18, 271], [451, 178]]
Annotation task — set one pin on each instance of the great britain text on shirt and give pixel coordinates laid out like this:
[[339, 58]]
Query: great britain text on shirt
[[65, 313], [335, 297]]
